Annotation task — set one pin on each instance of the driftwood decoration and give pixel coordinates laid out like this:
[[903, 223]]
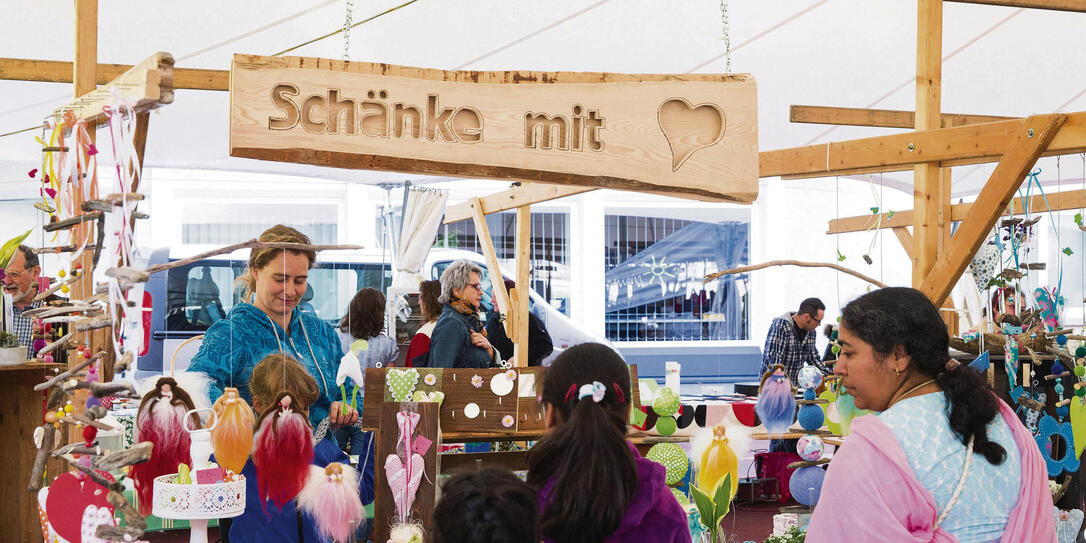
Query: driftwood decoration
[[71, 371], [842, 269], [136, 454], [93, 323], [53, 289], [126, 361], [251, 244], [49, 312], [99, 389], [55, 401]]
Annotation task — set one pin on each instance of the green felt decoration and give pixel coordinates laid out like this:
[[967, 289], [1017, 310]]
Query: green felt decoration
[[836, 349], [672, 457], [666, 426], [683, 500], [1080, 352], [665, 401], [1080, 370], [637, 417], [401, 383]]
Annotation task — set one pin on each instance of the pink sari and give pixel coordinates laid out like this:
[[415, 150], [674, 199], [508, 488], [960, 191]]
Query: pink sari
[[871, 494]]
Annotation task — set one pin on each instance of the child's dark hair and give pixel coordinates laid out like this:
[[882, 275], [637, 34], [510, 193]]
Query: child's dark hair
[[894, 316], [584, 466], [365, 316], [489, 506]]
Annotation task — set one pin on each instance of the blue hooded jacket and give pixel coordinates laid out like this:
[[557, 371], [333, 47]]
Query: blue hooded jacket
[[233, 346]]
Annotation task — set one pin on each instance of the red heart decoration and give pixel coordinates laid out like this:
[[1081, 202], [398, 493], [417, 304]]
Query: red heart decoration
[[68, 498]]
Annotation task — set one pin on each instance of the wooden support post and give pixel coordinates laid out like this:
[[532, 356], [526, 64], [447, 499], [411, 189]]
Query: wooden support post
[[526, 194], [906, 240], [993, 198], [84, 81], [926, 190], [388, 437], [886, 118], [945, 220], [497, 281], [524, 254]]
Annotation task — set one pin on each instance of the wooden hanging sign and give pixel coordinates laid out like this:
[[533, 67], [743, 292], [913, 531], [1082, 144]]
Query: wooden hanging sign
[[689, 135]]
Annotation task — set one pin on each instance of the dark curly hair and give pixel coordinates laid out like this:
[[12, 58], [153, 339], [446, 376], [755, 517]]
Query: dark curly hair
[[489, 506], [365, 317], [428, 293], [889, 317]]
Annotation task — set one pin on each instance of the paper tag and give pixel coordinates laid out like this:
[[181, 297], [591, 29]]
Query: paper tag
[[637, 418], [208, 476], [421, 444]]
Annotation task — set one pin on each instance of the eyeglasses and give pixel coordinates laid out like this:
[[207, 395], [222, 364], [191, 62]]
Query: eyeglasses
[[15, 275], [476, 286]]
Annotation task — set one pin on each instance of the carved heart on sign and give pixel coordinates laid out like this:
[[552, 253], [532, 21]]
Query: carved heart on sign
[[689, 128]]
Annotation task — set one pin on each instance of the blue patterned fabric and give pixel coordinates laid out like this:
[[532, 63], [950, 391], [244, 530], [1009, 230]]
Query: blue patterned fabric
[[24, 328], [937, 458], [783, 347], [233, 346]]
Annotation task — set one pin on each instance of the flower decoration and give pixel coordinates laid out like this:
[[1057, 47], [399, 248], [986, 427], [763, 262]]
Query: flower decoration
[[511, 375], [477, 381], [508, 421], [430, 379]]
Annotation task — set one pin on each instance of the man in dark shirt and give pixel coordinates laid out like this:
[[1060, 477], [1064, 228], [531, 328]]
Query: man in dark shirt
[[539, 341], [791, 339]]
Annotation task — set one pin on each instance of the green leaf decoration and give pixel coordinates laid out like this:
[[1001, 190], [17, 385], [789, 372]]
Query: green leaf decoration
[[889, 214], [840, 257], [705, 509], [1067, 251], [8, 250], [1078, 219], [723, 497]]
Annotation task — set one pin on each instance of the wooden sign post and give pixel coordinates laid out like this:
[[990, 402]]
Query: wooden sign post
[[688, 135]]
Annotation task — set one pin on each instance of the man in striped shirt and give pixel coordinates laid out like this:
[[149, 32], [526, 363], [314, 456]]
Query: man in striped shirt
[[21, 282]]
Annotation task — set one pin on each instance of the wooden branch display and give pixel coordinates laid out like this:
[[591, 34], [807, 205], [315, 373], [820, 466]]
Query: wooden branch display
[[842, 269], [886, 118], [136, 454], [49, 433], [100, 389], [51, 311], [53, 289], [56, 344], [251, 244], [149, 84], [62, 249], [68, 223], [71, 371], [687, 135]]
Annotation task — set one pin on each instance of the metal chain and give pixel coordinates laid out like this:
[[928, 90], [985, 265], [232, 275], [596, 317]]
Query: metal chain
[[726, 37], [347, 29]]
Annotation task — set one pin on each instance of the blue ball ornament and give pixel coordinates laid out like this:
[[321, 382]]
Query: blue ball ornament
[[809, 394], [1057, 368], [806, 484], [1062, 411], [1062, 340], [811, 417]]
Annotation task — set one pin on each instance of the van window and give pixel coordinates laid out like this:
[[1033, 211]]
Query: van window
[[200, 294]]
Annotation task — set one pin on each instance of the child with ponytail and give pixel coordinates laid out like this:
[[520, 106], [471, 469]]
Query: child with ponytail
[[593, 485], [284, 447]]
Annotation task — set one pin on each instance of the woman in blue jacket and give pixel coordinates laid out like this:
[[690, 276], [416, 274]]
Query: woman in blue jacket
[[459, 339], [268, 322]]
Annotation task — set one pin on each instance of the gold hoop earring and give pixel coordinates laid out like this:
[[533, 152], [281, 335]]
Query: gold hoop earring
[[897, 372]]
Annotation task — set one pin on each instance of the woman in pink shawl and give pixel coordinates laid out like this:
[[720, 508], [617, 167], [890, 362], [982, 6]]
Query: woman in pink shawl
[[945, 460]]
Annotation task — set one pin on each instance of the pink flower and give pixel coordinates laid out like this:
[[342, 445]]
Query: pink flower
[[508, 421], [430, 379], [477, 381], [511, 375]]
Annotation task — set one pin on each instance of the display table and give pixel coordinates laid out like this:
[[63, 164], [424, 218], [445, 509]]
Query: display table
[[20, 413]]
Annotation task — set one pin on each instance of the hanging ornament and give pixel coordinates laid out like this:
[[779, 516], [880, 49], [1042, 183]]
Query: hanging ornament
[[330, 496], [160, 420], [282, 452], [717, 461], [776, 401], [232, 437]]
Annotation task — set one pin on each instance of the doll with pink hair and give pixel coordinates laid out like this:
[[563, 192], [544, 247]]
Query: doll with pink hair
[[160, 420]]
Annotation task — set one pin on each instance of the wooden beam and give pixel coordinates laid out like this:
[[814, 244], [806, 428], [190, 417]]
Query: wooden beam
[[970, 144], [1056, 201], [885, 118], [59, 71], [1056, 5], [905, 238], [996, 196], [526, 194], [927, 195], [497, 281], [149, 84], [524, 254]]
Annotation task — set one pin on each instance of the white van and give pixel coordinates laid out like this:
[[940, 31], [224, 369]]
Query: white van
[[186, 300]]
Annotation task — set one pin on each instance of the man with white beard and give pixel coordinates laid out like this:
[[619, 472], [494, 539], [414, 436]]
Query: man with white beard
[[21, 282]]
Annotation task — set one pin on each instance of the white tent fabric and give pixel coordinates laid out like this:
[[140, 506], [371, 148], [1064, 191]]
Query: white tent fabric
[[421, 219]]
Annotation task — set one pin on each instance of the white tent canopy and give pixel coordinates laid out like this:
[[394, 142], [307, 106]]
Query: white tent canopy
[[848, 53]]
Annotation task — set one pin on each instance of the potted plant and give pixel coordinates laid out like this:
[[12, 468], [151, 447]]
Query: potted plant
[[11, 353]]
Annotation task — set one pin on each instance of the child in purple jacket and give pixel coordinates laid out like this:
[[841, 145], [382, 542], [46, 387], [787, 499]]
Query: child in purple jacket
[[593, 485]]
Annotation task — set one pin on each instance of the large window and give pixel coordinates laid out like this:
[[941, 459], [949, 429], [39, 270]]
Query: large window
[[549, 260], [653, 282], [223, 224]]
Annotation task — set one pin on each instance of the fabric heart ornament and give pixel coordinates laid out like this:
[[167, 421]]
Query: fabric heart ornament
[[1067, 524], [401, 383], [69, 498], [984, 265], [1077, 410], [1032, 416], [404, 488], [92, 518]]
